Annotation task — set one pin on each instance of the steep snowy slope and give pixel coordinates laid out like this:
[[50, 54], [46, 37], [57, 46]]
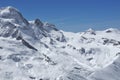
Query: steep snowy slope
[[112, 72], [33, 50]]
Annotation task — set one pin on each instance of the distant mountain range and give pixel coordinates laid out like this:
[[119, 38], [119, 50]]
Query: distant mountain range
[[33, 50]]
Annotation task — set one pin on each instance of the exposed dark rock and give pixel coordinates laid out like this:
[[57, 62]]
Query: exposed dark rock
[[48, 59], [105, 40], [52, 41], [91, 31], [84, 38], [118, 53], [1, 47], [108, 31], [55, 29], [82, 50], [44, 34], [19, 38], [89, 59], [63, 46], [46, 46], [28, 45], [91, 51], [14, 57], [110, 41], [77, 68], [0, 57], [7, 29], [117, 43], [61, 39], [74, 48], [38, 22], [52, 26], [14, 35], [32, 77]]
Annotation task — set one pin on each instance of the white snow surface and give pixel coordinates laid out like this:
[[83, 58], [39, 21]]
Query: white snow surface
[[33, 50]]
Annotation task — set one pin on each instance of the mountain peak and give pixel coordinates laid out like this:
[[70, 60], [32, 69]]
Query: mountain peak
[[38, 22], [91, 31], [27, 47], [13, 14], [8, 10], [111, 30]]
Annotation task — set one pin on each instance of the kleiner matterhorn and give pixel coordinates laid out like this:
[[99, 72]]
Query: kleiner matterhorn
[[33, 50]]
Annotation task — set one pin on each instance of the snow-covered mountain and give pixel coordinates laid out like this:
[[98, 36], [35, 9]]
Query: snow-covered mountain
[[33, 50]]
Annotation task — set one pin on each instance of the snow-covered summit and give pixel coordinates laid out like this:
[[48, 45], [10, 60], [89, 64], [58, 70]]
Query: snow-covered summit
[[7, 10], [34, 50], [13, 14], [90, 31], [13, 24], [112, 30]]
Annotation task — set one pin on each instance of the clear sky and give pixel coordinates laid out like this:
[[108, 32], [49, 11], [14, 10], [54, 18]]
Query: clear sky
[[71, 15]]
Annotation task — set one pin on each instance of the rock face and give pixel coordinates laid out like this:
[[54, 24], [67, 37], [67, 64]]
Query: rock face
[[38, 23], [12, 23], [12, 13], [10, 20], [33, 50]]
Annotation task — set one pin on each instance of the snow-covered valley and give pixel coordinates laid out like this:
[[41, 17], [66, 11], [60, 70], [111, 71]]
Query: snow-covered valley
[[33, 50]]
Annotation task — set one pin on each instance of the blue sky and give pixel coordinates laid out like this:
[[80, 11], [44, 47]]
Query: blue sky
[[71, 15]]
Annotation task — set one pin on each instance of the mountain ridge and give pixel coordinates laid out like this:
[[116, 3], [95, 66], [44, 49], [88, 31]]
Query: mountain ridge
[[33, 50]]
